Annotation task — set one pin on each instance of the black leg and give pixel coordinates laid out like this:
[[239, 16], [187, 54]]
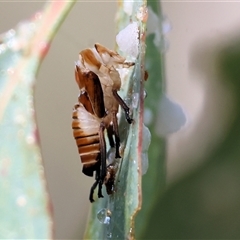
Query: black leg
[[92, 191], [100, 172], [100, 195], [95, 183], [102, 152], [116, 133], [123, 105], [110, 136]]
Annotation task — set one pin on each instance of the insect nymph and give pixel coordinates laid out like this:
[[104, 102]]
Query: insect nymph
[[96, 111]]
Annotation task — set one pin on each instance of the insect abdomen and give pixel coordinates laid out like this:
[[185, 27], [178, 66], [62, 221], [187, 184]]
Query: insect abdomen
[[86, 133]]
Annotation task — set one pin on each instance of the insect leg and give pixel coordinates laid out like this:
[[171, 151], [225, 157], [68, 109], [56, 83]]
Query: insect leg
[[95, 184], [100, 195], [103, 166], [92, 190], [116, 133], [110, 136], [123, 105]]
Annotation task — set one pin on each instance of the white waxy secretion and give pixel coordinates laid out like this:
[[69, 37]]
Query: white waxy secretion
[[128, 40], [170, 117]]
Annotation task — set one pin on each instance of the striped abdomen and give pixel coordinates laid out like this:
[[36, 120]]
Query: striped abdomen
[[86, 133]]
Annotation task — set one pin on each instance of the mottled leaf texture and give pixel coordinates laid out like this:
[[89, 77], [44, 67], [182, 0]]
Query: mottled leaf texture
[[24, 203]]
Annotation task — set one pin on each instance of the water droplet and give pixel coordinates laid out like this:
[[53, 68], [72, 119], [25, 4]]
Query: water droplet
[[109, 235], [144, 94], [21, 201], [104, 216], [135, 99]]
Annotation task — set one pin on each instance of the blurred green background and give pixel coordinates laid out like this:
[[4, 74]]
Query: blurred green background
[[202, 74]]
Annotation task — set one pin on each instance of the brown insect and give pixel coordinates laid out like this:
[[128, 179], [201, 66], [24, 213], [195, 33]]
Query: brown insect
[[98, 104]]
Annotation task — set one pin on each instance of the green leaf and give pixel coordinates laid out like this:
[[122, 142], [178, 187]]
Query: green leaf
[[24, 204], [153, 183], [123, 205]]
